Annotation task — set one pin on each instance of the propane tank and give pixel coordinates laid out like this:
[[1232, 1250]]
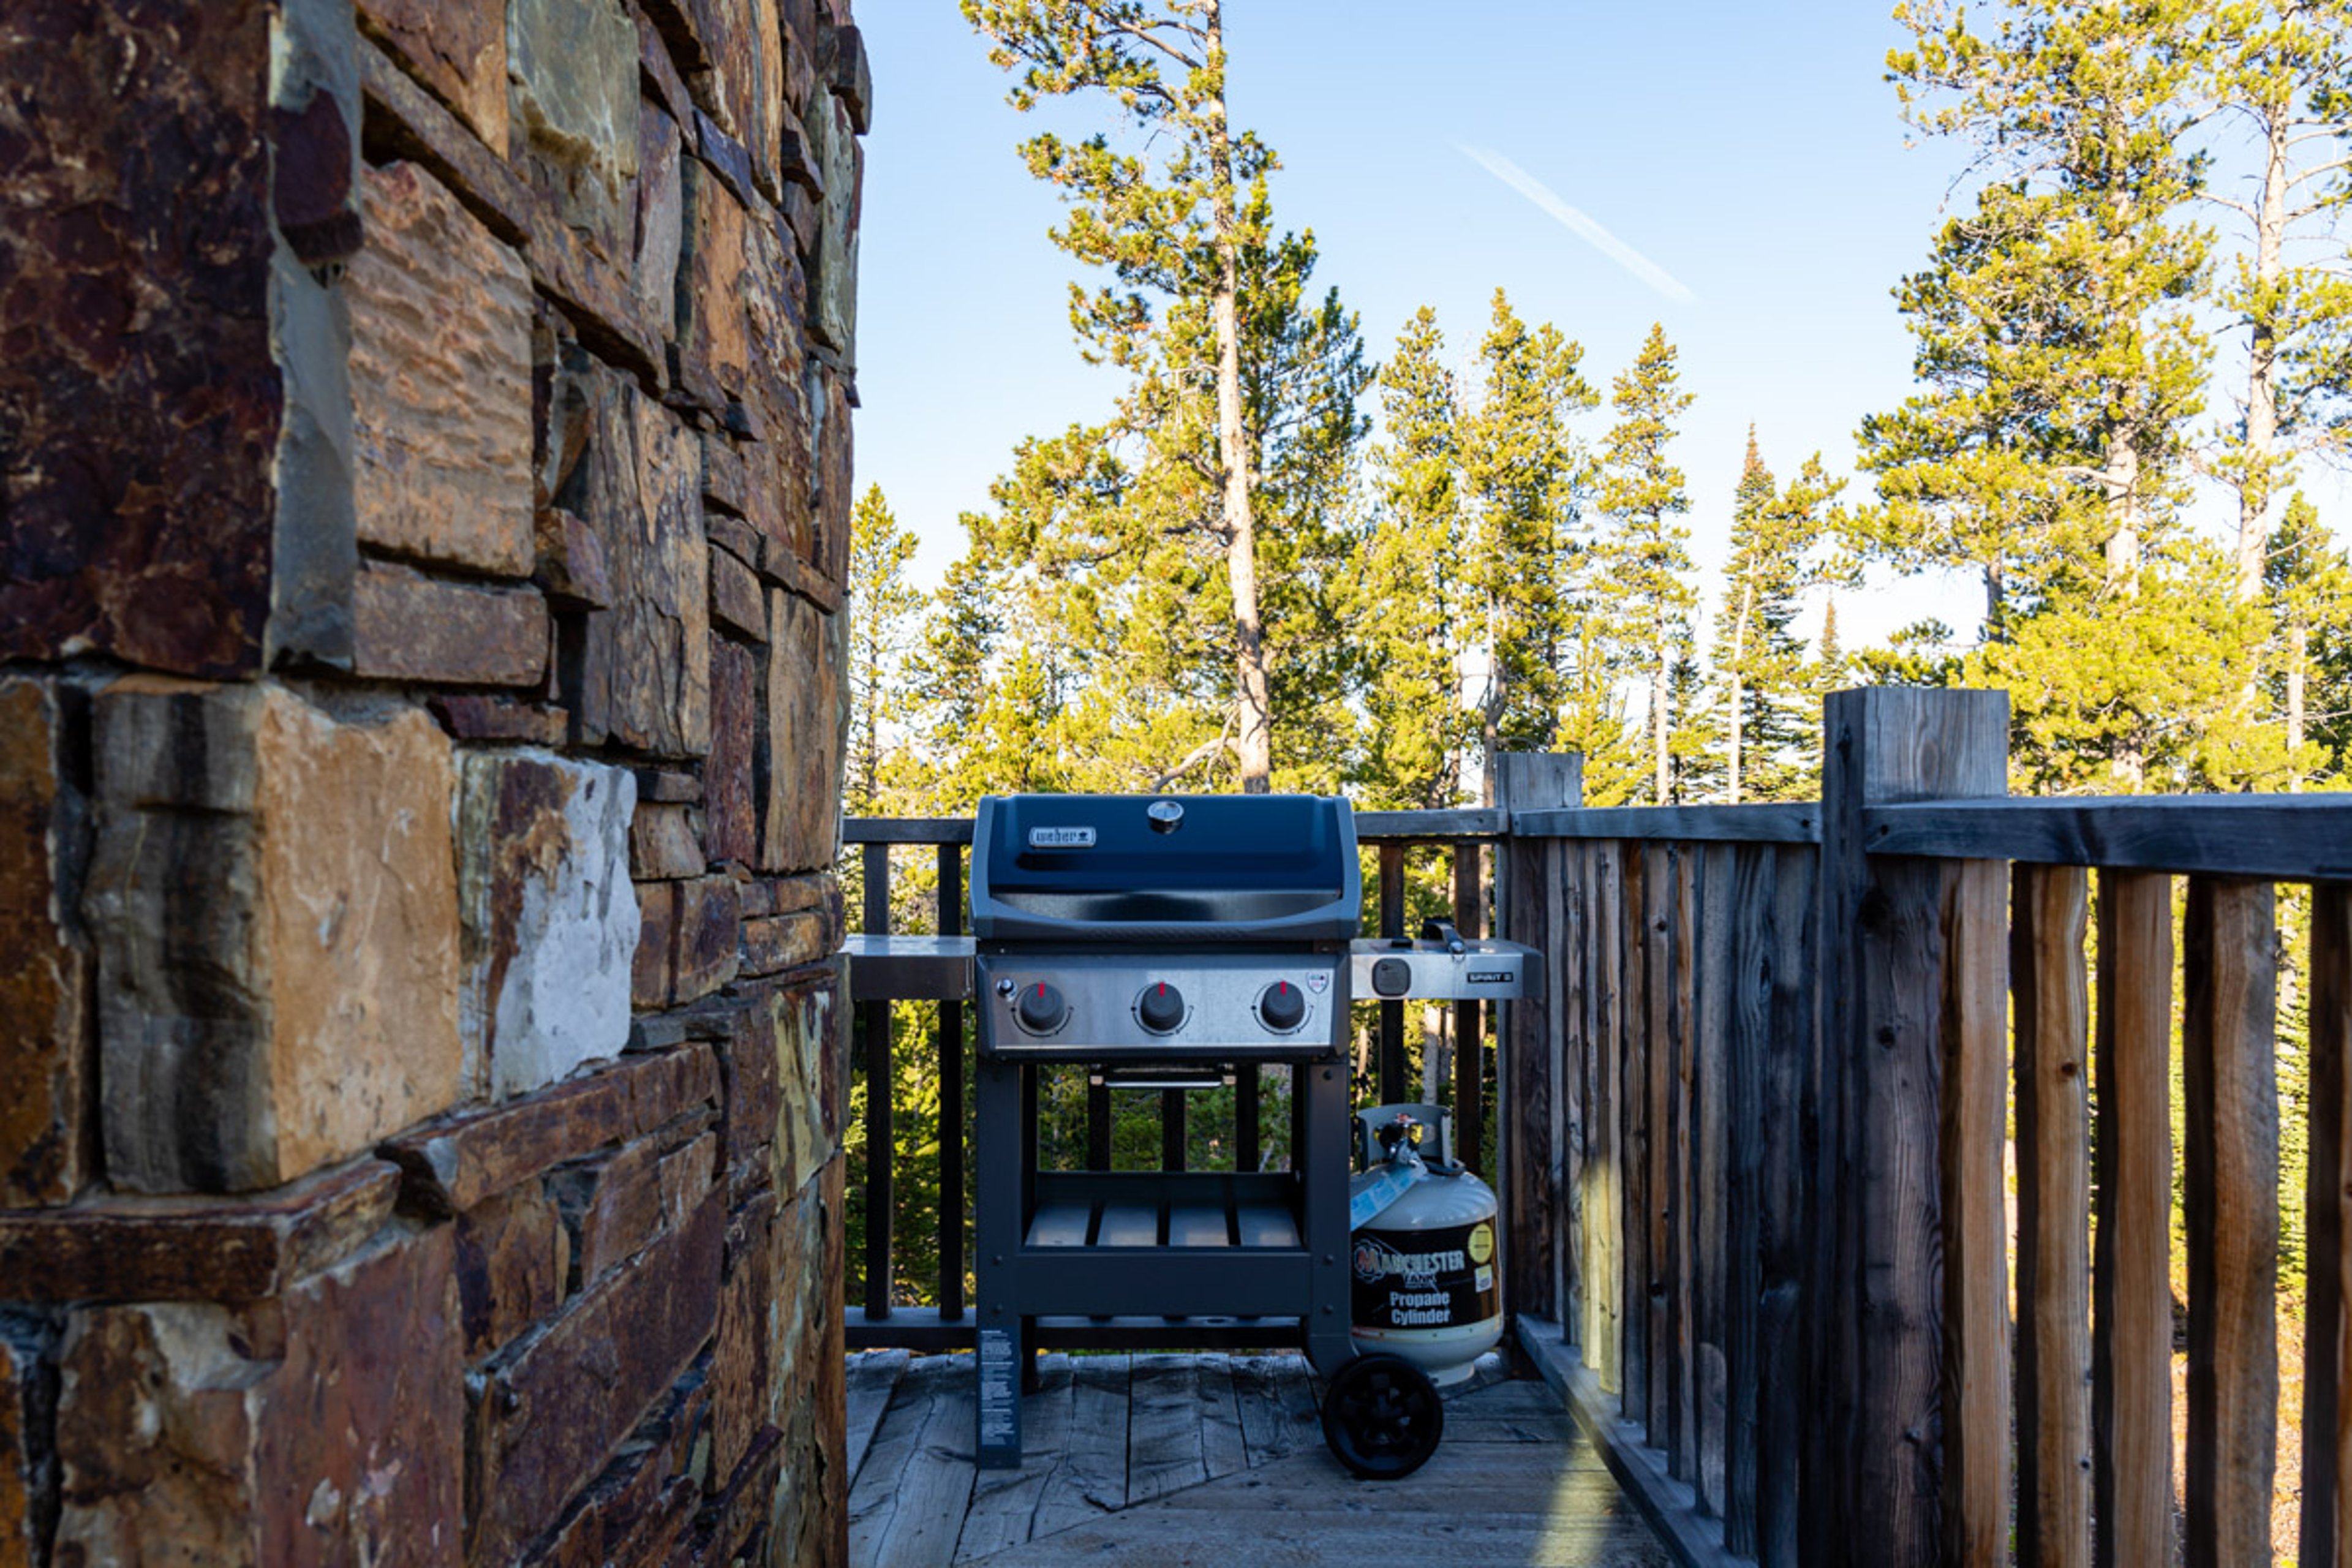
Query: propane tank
[[1423, 1260]]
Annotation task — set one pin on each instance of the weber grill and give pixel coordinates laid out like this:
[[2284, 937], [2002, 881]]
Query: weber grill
[[1173, 941]]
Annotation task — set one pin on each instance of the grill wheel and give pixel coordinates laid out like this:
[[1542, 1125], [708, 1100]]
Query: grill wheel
[[1382, 1417]]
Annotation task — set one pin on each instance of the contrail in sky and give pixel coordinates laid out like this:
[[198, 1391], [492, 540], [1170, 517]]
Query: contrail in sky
[[1600, 238]]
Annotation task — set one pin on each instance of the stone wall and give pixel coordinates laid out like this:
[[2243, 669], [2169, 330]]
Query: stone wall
[[425, 455]]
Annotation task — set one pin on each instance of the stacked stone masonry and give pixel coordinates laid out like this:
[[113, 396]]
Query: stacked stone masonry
[[424, 483]]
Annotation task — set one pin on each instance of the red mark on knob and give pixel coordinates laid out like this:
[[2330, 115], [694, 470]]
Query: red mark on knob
[[1041, 988]]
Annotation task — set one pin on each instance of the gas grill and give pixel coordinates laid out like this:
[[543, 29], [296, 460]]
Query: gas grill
[[1171, 942]]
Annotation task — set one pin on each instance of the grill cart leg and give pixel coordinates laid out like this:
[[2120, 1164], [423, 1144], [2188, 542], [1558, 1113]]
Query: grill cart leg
[[1326, 1129], [997, 1223]]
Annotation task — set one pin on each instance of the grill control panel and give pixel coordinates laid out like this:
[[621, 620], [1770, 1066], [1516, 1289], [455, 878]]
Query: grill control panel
[[1161, 1006]]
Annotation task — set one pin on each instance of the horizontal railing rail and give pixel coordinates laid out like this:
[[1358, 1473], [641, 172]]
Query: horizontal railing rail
[[2288, 837]]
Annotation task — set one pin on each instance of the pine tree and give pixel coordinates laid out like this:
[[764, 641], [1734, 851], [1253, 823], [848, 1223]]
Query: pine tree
[[1523, 464], [882, 603], [2053, 337], [1768, 715], [1175, 232], [1417, 597], [1646, 557], [2283, 67], [2308, 582]]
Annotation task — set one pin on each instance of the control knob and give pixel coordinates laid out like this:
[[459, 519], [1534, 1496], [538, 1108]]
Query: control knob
[[1282, 1007], [1041, 1009], [1161, 1007]]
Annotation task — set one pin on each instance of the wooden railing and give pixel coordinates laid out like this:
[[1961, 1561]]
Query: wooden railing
[[1755, 1146], [941, 1321]]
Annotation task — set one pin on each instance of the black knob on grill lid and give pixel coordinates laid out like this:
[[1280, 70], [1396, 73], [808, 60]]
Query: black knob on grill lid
[[1161, 1007], [1041, 1008], [1282, 1007]]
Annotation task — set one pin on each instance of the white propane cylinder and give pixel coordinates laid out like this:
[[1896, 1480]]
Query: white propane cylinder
[[1425, 1282]]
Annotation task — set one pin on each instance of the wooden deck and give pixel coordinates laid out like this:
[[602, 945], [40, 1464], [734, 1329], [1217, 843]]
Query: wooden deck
[[1205, 1460]]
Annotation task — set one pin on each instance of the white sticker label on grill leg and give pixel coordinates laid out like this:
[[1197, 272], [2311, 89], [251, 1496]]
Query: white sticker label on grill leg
[[1061, 839]]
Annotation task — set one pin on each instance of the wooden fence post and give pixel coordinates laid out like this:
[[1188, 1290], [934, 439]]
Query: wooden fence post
[[1906, 1439], [1530, 1074]]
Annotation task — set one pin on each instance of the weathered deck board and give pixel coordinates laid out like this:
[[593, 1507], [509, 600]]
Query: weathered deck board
[[907, 1504], [872, 1377], [1514, 1482]]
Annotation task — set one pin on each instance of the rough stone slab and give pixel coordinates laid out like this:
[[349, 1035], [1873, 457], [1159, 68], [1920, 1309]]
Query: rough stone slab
[[28, 1478], [809, 1078], [457, 49], [743, 87], [712, 329], [644, 1499], [479, 718], [842, 57], [731, 805], [513, 1255], [658, 71], [554, 1416], [452, 1165], [661, 218], [137, 384], [835, 479], [710, 934], [615, 1205], [810, 1525], [573, 570], [805, 216], [736, 537], [409, 626], [733, 1526], [781, 566], [736, 602], [775, 943], [663, 843], [573, 68], [677, 24], [741, 1368], [47, 1075], [818, 891], [320, 1430], [135, 1248], [642, 671], [748, 1060], [799, 753], [725, 157], [550, 917], [273, 899], [600, 304], [832, 282], [440, 379], [650, 970], [402, 121], [667, 787], [781, 461], [726, 484]]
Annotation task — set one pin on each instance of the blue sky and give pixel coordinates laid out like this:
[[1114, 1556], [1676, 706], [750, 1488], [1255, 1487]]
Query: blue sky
[[1752, 153]]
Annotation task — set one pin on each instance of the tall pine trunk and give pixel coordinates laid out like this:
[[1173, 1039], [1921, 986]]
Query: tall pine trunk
[[2261, 360], [1662, 682], [2298, 656], [1736, 724], [1255, 743]]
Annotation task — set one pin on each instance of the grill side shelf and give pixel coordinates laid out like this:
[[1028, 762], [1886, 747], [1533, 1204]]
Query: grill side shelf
[[1487, 970]]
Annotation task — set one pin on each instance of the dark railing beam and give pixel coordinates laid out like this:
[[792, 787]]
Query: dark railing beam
[[1389, 1068], [879, 1131], [2292, 838], [951, 918], [1469, 1023]]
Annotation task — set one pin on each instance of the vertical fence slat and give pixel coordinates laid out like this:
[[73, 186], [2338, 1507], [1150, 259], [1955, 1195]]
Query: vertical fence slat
[[1604, 1159], [2053, 1217], [1739, 994], [1682, 1371], [1390, 1058], [1525, 899], [1568, 967], [1788, 1118], [1171, 1129], [1710, 1169], [1658, 1060], [952, 1205], [2326, 1389], [1097, 1126], [2233, 1191], [879, 1134], [1912, 951], [1634, 1114], [1469, 1025], [2131, 1347], [1974, 1123]]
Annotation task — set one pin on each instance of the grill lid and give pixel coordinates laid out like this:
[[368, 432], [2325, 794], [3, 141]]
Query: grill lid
[[1165, 869]]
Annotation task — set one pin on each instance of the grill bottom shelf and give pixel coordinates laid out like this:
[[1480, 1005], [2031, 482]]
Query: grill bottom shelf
[[1083, 1223]]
